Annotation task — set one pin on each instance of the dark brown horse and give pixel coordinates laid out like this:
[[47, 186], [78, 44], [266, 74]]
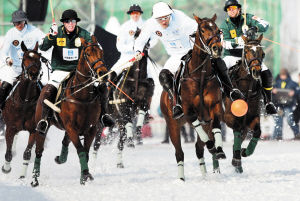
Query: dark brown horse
[[246, 77], [19, 109], [80, 108], [201, 97]]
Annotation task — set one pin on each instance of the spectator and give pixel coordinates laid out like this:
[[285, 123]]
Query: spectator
[[297, 110], [285, 99]]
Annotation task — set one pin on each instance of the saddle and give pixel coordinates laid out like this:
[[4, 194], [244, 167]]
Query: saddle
[[63, 85]]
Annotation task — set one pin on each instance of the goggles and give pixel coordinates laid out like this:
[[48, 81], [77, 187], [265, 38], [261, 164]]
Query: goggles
[[69, 20], [18, 23], [232, 8], [163, 18], [135, 13]]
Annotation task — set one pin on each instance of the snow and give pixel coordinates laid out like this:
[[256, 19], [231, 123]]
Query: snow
[[272, 173]]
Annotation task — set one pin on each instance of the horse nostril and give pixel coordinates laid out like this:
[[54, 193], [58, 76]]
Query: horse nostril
[[215, 48]]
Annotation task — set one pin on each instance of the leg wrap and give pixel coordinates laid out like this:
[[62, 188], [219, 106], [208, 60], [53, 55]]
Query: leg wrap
[[202, 134], [218, 137]]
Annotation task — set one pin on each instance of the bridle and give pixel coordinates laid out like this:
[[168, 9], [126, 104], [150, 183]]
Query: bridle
[[92, 72], [26, 69]]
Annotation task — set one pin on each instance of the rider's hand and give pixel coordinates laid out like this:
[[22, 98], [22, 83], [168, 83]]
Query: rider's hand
[[251, 32], [245, 28], [53, 29], [9, 61]]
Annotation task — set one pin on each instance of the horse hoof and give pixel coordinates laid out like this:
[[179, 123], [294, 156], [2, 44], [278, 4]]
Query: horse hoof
[[236, 162], [6, 171], [22, 177], [86, 177], [217, 170], [58, 161], [220, 154], [243, 152], [35, 183], [239, 169], [120, 165]]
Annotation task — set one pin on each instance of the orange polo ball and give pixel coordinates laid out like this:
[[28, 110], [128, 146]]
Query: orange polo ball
[[239, 108]]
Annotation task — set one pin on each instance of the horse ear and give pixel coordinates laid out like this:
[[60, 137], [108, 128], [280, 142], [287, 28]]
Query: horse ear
[[36, 46], [83, 42], [94, 39], [214, 17], [245, 39], [23, 47], [260, 37], [198, 20]]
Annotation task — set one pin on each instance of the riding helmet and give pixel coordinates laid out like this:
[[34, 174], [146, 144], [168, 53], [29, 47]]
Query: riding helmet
[[134, 7], [69, 14], [231, 3], [19, 16]]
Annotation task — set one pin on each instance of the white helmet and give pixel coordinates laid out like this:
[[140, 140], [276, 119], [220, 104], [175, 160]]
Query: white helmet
[[161, 9]]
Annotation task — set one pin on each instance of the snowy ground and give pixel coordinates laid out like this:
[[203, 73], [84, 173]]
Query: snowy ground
[[272, 173]]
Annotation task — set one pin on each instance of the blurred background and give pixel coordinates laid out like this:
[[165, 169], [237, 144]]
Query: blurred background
[[283, 16]]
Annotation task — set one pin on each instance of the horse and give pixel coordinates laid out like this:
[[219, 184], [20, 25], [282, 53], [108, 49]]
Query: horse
[[19, 109], [246, 77], [80, 108], [201, 97], [129, 99]]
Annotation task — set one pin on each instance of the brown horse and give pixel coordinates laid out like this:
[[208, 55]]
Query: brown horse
[[201, 97], [246, 76], [19, 109], [80, 108]]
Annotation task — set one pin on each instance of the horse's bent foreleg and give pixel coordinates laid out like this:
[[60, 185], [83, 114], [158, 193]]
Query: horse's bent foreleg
[[253, 142], [121, 146], [62, 158], [27, 154], [216, 125]]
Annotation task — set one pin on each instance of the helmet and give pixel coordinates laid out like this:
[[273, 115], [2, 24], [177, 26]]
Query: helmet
[[161, 9], [231, 3], [18, 16], [69, 14], [134, 7]]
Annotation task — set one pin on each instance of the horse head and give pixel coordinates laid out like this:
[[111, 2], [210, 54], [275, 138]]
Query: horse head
[[92, 55], [254, 55], [31, 63], [208, 36]]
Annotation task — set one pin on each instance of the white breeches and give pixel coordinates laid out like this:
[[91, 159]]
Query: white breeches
[[10, 73], [231, 61], [172, 64], [57, 77]]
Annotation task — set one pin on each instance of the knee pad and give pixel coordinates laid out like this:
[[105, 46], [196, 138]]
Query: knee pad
[[266, 78], [166, 79]]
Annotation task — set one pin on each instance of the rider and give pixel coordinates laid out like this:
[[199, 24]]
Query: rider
[[67, 47], [12, 53], [173, 28], [233, 29]]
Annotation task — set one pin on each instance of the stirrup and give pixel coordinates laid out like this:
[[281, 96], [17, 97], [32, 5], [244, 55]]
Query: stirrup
[[270, 108], [236, 94], [42, 126], [107, 120], [177, 111]]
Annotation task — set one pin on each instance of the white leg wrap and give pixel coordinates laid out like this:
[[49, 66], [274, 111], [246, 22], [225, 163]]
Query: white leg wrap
[[119, 157], [203, 136], [202, 166], [13, 149], [129, 131], [24, 168], [180, 165], [94, 154], [6, 165], [218, 137], [140, 119]]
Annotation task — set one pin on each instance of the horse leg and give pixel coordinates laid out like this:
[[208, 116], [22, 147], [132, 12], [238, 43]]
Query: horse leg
[[97, 144], [62, 158], [129, 134], [200, 155], [139, 125], [253, 142], [237, 144], [39, 140], [9, 137], [121, 146], [27, 154], [218, 139]]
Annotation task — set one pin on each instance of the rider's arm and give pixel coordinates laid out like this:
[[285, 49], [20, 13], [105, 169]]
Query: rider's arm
[[125, 41], [6, 47], [260, 24], [48, 42], [229, 41]]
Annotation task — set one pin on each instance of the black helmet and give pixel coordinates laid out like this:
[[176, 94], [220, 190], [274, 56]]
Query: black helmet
[[134, 7], [69, 14], [231, 3], [19, 16]]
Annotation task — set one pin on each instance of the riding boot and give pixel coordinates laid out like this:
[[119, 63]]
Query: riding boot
[[167, 81], [49, 93], [222, 72], [4, 91], [106, 119], [267, 79]]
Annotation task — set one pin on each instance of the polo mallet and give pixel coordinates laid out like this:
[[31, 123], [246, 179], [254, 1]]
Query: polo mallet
[[53, 19]]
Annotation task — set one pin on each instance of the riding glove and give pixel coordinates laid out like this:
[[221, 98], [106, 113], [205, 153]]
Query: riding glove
[[9, 61], [53, 29]]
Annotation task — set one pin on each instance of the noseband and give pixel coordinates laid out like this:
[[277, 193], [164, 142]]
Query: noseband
[[249, 64], [26, 69]]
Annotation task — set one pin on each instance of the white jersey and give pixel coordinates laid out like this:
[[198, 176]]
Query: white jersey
[[175, 37], [12, 43]]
